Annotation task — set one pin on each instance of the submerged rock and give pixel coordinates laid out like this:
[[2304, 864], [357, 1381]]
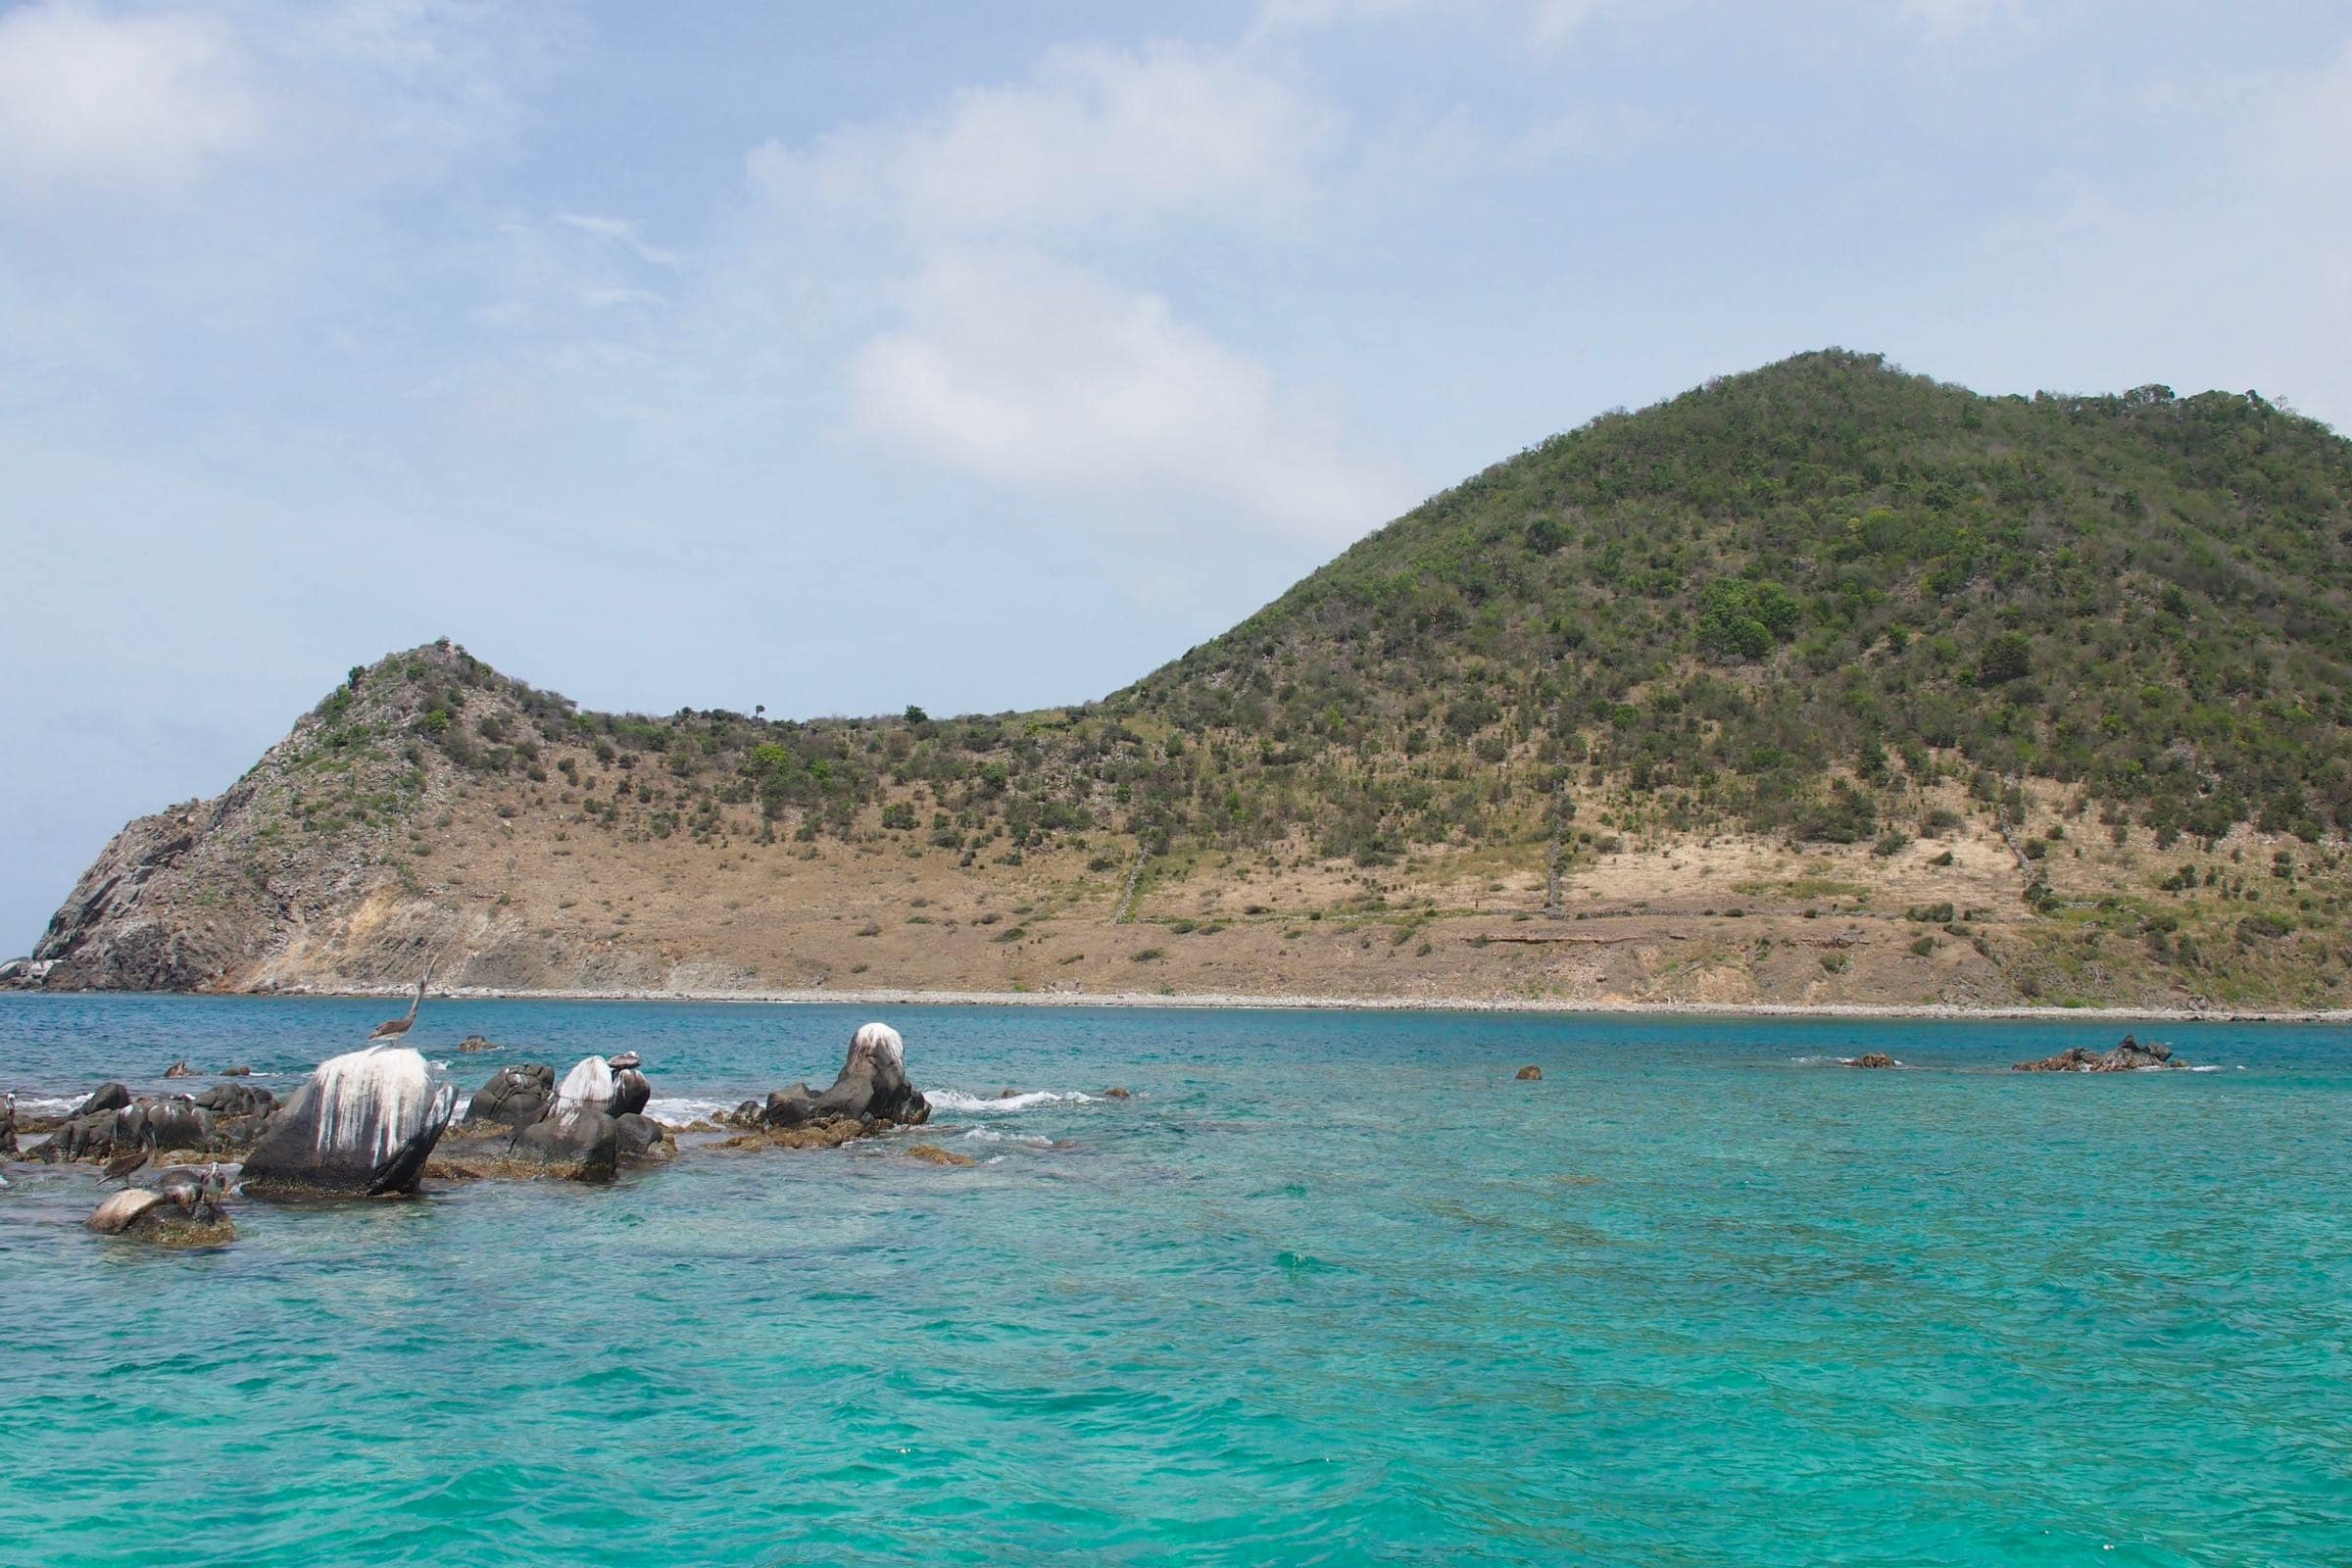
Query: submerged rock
[[1116, 1093], [180, 1069], [933, 1155], [474, 1043], [1530, 1074], [2129, 1056], [364, 1124], [239, 1071], [1874, 1058]]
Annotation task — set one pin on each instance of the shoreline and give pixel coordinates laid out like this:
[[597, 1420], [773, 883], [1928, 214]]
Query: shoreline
[[1301, 1002]]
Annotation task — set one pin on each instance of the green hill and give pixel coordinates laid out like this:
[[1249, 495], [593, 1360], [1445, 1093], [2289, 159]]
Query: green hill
[[1756, 604], [1821, 640]]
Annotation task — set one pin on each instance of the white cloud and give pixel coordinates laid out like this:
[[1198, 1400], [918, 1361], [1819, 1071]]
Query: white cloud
[[1095, 137], [1944, 18], [1039, 377], [1546, 23], [144, 102]]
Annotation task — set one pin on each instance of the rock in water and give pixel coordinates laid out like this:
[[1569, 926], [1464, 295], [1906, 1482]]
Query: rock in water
[[872, 1081], [1874, 1058], [365, 1123], [514, 1097], [583, 1144], [588, 1085], [180, 1069], [106, 1096], [237, 1099], [2129, 1056], [871, 1086], [239, 1071], [165, 1219], [933, 1155], [474, 1042], [174, 1123], [642, 1137], [1530, 1074], [632, 1092]]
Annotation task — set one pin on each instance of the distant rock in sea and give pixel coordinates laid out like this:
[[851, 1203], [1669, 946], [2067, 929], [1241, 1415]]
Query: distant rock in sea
[[2129, 1056]]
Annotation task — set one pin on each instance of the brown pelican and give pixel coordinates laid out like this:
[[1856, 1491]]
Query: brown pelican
[[394, 1028], [120, 1167]]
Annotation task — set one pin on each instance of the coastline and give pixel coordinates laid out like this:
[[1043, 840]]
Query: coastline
[[885, 996]]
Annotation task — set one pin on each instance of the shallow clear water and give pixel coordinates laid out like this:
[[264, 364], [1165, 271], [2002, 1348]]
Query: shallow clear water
[[1332, 1288]]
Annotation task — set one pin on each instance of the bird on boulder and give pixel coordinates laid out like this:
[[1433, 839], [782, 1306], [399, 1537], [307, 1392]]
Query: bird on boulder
[[394, 1028], [122, 1166]]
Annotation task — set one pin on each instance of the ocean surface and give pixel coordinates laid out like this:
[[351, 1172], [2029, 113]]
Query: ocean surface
[[1331, 1287]]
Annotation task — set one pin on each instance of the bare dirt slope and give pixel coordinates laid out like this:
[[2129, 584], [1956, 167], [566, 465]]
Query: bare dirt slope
[[340, 866]]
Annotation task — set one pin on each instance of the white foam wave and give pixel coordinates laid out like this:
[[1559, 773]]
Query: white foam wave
[[47, 1104], [956, 1101], [681, 1112], [989, 1135]]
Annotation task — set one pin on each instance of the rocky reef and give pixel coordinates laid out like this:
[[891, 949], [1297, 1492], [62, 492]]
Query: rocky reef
[[364, 1125], [870, 1093], [376, 1121], [2128, 1055]]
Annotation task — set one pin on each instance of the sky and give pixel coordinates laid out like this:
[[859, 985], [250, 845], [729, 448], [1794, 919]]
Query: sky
[[837, 358]]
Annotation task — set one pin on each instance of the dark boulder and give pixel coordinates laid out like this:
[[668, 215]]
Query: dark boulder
[[90, 1137], [1530, 1074], [106, 1096], [642, 1137], [2129, 1056], [514, 1097], [474, 1043], [872, 1087], [874, 1082], [178, 1122], [239, 1071], [237, 1099], [365, 1123], [180, 1069], [631, 1092], [582, 1144], [1874, 1058]]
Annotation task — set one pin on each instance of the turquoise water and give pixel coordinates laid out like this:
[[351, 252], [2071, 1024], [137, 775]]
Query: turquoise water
[[1333, 1289]]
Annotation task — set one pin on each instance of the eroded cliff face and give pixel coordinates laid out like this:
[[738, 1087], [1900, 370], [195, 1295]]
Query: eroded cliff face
[[218, 894]]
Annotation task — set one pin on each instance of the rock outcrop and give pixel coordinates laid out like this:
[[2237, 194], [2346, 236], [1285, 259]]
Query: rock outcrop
[[2129, 1056], [364, 1124], [180, 1215], [516, 1096], [871, 1086], [581, 1143], [523, 1123]]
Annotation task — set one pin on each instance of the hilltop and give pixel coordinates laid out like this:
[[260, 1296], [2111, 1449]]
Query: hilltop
[[1821, 683]]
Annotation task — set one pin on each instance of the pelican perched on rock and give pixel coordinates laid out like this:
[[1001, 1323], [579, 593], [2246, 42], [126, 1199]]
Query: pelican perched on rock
[[121, 1167], [394, 1028]]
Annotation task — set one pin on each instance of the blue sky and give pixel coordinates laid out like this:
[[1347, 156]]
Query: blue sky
[[837, 358]]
